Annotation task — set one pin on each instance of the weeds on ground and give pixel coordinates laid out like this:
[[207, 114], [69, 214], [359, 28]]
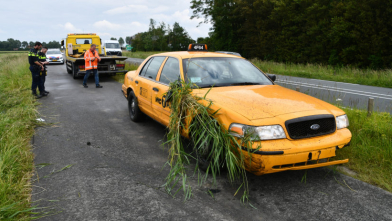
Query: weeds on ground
[[140, 54], [17, 121], [370, 152], [213, 145]]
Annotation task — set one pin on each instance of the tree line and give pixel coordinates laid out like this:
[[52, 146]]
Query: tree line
[[13, 44], [335, 32], [160, 37]]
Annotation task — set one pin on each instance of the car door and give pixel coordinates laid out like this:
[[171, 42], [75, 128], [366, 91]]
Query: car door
[[144, 82], [170, 73]]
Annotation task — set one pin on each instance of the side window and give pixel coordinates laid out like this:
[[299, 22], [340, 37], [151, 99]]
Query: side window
[[171, 71], [153, 68], [144, 69]]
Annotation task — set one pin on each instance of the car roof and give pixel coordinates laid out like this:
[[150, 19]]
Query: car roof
[[196, 54]]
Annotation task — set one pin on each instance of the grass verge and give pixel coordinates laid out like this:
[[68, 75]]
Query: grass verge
[[379, 78], [17, 121], [128, 67], [370, 152], [140, 54]]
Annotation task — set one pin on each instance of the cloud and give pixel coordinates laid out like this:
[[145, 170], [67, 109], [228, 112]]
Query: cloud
[[136, 9], [106, 25], [70, 27]]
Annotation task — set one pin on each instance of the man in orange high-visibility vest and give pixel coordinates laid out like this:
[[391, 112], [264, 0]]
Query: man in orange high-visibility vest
[[91, 58]]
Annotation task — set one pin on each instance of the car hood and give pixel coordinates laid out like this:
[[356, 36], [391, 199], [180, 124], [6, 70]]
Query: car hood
[[263, 101], [54, 55]]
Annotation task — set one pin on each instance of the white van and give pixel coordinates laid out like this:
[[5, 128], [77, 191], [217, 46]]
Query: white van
[[112, 47]]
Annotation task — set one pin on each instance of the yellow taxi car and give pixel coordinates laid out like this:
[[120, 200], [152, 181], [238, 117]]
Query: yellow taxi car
[[295, 131]]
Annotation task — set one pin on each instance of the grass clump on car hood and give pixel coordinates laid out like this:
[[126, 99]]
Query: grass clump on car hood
[[212, 145]]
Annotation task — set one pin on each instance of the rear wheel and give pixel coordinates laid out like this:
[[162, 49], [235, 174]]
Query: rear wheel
[[135, 114]]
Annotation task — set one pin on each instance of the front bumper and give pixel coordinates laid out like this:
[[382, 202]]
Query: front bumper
[[301, 154], [56, 62]]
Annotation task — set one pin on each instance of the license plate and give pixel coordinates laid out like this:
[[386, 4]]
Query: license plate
[[54, 60]]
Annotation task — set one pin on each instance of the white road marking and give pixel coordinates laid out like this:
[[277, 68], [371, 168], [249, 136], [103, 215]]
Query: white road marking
[[341, 90]]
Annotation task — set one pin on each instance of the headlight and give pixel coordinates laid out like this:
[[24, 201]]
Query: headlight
[[272, 132], [342, 122]]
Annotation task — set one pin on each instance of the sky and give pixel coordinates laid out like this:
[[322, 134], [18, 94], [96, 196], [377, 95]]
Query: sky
[[45, 21]]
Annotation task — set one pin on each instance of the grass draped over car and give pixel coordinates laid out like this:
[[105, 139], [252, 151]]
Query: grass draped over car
[[17, 121], [209, 140]]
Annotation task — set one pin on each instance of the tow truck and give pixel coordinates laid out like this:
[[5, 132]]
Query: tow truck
[[76, 44]]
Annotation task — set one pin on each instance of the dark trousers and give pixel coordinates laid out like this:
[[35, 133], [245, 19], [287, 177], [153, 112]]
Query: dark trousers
[[43, 79], [36, 80], [96, 75]]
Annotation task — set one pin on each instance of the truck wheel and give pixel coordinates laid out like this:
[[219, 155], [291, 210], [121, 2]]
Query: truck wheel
[[68, 71], [135, 113], [74, 72]]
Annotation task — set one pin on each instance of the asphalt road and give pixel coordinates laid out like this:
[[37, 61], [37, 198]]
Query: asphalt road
[[119, 176], [350, 95]]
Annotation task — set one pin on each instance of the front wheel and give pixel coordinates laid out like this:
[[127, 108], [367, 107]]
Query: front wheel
[[135, 114], [74, 72]]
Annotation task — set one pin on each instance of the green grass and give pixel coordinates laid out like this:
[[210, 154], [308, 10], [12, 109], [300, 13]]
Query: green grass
[[128, 67], [379, 78], [141, 54], [370, 152], [17, 121]]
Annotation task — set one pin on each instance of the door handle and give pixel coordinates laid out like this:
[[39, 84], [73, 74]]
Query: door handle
[[155, 89], [137, 82]]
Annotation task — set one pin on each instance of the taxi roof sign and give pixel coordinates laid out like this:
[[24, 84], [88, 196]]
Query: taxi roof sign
[[197, 47]]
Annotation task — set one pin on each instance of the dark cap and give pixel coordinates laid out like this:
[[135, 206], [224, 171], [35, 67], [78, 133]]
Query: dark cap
[[37, 43]]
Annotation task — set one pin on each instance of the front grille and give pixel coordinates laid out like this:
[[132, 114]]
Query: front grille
[[118, 53], [301, 127]]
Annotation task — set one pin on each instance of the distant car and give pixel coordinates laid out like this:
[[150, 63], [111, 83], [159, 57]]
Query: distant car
[[54, 56], [229, 52]]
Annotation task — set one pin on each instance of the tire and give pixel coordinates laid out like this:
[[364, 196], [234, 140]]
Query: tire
[[202, 154], [202, 157], [68, 71], [74, 72], [135, 114]]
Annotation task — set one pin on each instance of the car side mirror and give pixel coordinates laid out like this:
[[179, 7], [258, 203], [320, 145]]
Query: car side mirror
[[272, 77]]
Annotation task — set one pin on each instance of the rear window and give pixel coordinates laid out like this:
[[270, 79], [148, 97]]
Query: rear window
[[153, 68], [81, 41]]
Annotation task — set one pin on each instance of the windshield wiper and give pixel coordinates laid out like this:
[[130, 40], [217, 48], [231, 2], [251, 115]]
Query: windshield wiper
[[246, 83]]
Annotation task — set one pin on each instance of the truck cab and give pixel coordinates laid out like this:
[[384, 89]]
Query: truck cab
[[112, 47]]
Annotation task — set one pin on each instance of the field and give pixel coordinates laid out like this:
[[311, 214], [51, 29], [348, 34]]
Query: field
[[17, 122]]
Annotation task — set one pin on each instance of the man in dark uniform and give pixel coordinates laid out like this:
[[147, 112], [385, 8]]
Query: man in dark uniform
[[35, 68], [43, 74]]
